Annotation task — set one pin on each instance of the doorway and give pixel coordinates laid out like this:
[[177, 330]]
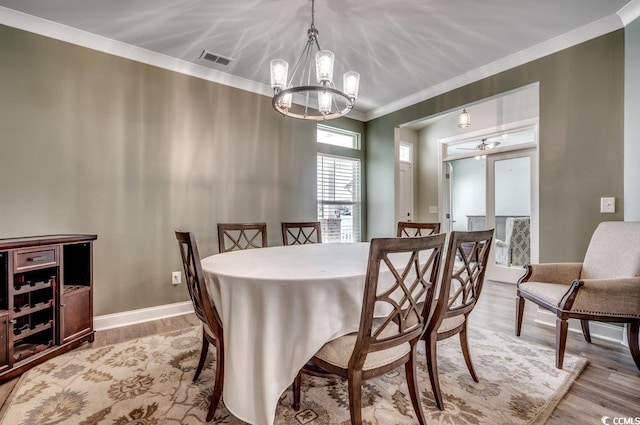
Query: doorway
[[496, 188]]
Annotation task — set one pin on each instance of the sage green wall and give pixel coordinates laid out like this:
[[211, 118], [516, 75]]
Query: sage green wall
[[632, 121], [581, 141], [93, 143]]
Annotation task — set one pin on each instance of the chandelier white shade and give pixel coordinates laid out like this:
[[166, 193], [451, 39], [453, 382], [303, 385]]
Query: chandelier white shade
[[464, 120], [298, 96]]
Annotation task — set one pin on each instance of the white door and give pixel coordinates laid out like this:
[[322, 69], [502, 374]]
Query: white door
[[512, 211], [405, 195], [404, 190]]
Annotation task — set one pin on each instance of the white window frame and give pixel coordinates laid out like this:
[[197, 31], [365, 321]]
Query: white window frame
[[350, 154]]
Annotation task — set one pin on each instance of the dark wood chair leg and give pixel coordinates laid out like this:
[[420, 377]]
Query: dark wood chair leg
[[218, 382], [203, 355], [412, 383], [297, 384], [465, 352], [355, 397], [633, 334], [519, 314], [432, 368], [585, 330], [561, 340]]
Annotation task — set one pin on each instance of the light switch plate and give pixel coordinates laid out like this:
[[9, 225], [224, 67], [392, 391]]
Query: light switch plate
[[607, 205], [433, 209]]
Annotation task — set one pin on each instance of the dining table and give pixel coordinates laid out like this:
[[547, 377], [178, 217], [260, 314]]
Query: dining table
[[278, 307]]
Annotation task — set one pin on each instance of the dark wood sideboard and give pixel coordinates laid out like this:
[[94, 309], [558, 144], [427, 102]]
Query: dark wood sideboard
[[46, 299]]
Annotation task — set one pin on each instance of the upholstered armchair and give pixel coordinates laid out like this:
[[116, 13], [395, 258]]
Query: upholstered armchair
[[604, 287], [516, 247]]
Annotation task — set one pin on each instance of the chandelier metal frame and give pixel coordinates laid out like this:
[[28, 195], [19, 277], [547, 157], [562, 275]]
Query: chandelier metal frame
[[294, 100]]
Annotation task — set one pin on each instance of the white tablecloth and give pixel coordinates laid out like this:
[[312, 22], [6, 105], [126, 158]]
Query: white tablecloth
[[278, 307]]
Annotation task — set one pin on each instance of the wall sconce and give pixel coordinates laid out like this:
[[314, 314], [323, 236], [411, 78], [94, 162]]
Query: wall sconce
[[464, 120]]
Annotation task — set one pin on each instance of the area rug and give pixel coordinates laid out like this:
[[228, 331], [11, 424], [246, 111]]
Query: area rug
[[149, 382]]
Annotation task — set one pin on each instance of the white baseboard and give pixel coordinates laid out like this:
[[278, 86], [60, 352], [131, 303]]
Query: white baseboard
[[600, 330], [116, 320]]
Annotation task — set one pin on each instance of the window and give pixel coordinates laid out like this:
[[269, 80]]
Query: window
[[404, 152], [339, 198], [338, 184], [336, 137]]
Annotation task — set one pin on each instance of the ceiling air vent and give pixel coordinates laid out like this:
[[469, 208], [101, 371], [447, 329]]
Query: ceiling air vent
[[212, 57]]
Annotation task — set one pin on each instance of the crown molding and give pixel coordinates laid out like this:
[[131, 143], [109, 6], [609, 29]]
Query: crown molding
[[99, 43], [561, 42], [630, 12], [34, 24]]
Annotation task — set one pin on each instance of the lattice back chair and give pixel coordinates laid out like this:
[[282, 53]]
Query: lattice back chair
[[301, 233], [205, 311], [401, 280], [462, 280], [409, 229], [238, 236]]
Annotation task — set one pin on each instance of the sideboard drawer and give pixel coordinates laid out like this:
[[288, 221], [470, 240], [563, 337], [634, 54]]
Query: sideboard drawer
[[35, 259]]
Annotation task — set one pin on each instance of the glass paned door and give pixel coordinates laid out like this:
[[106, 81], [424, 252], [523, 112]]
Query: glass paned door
[[496, 191], [510, 205]]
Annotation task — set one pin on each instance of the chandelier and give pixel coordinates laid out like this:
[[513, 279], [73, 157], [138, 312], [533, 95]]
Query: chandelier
[[314, 100]]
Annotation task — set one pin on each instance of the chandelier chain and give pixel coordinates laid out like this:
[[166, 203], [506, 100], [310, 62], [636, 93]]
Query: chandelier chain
[[332, 102]]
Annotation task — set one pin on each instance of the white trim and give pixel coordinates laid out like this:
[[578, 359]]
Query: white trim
[[625, 339], [630, 12], [34, 24], [561, 42], [92, 41], [604, 331], [125, 318]]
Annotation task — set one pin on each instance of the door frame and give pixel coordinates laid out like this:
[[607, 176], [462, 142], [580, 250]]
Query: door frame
[[397, 143], [499, 272], [494, 272]]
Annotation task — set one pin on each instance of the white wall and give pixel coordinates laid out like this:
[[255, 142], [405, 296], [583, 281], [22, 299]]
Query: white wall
[[468, 187]]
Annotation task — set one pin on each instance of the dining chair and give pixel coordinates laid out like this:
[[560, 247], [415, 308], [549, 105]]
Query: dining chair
[[410, 268], [412, 229], [300, 233], [206, 311], [605, 287], [462, 280], [238, 236]]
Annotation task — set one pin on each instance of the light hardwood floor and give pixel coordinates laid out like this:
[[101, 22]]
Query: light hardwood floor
[[609, 385]]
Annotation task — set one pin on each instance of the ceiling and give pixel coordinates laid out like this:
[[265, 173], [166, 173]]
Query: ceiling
[[404, 50]]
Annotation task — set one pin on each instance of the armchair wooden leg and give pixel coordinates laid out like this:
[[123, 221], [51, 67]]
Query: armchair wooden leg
[[203, 355], [412, 383], [216, 395], [585, 330], [561, 340], [633, 334], [519, 314], [432, 368], [297, 383], [355, 397], [464, 344]]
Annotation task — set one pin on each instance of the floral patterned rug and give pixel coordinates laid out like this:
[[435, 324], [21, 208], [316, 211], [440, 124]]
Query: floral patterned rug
[[148, 382]]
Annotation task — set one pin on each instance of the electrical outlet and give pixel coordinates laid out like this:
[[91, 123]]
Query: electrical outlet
[[607, 205], [176, 278]]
